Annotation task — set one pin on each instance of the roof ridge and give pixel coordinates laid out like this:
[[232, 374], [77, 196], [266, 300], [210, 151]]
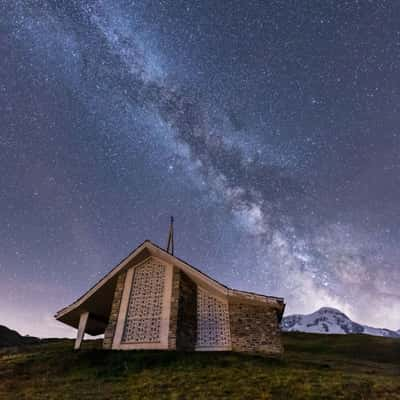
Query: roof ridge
[[122, 264]]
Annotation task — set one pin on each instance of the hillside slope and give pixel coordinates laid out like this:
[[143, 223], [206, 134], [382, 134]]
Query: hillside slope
[[314, 367], [8, 337], [330, 320]]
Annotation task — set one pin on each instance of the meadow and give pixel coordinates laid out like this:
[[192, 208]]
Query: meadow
[[313, 367]]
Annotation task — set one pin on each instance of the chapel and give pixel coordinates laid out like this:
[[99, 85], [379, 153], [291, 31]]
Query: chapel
[[154, 300]]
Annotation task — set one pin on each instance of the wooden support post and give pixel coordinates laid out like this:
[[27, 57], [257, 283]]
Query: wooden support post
[[81, 330]]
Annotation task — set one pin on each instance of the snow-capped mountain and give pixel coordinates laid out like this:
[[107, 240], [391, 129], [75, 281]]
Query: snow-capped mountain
[[331, 320]]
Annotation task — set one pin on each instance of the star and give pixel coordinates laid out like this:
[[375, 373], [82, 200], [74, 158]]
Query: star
[[270, 132]]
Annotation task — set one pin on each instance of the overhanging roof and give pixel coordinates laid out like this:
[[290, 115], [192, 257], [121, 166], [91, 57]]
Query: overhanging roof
[[98, 299]]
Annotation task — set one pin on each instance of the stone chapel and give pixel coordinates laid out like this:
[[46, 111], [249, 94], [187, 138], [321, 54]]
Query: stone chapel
[[154, 300]]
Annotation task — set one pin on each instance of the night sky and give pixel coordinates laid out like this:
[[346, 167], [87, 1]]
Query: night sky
[[269, 129]]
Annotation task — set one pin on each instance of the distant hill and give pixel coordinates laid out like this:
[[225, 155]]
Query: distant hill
[[330, 320], [8, 338]]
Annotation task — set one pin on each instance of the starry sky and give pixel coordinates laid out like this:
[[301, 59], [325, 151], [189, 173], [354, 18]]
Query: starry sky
[[269, 129]]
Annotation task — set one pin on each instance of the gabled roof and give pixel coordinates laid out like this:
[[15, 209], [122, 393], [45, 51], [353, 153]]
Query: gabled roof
[[97, 300]]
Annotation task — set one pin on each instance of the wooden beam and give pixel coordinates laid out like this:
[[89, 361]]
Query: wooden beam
[[81, 330]]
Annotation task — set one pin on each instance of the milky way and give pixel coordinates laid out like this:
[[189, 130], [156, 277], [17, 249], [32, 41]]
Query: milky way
[[270, 132]]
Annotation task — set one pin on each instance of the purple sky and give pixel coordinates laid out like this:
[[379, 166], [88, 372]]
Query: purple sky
[[270, 130]]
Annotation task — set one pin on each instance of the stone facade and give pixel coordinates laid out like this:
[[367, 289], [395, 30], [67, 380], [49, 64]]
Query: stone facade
[[112, 322], [182, 328], [173, 324], [187, 314], [252, 320], [153, 300], [254, 327]]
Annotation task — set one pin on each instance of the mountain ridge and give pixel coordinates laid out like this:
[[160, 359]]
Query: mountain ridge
[[328, 320]]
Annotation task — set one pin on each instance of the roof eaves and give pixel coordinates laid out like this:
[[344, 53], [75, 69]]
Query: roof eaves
[[120, 265]]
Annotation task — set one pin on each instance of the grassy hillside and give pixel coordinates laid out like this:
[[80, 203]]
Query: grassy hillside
[[313, 367]]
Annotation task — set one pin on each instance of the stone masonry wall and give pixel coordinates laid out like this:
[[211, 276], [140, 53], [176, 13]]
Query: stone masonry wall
[[173, 320], [112, 322], [187, 314], [254, 327]]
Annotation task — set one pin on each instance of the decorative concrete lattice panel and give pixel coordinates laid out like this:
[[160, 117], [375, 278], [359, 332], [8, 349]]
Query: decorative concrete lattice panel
[[143, 321], [212, 321]]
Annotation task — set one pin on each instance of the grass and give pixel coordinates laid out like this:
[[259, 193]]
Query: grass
[[313, 367]]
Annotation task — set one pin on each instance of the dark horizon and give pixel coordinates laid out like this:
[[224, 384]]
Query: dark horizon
[[270, 130]]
